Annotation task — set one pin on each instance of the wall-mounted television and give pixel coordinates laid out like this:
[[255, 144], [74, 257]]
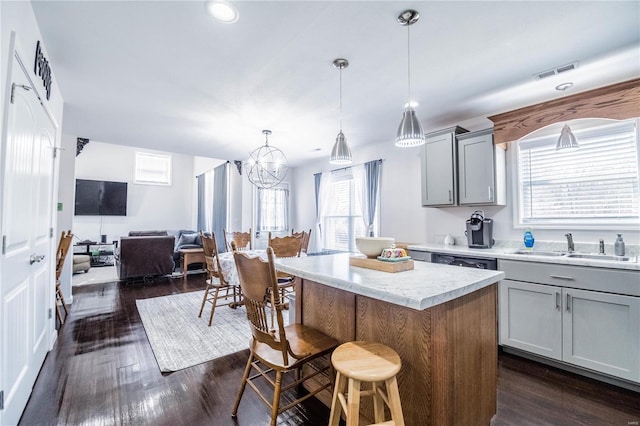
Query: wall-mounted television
[[100, 198]]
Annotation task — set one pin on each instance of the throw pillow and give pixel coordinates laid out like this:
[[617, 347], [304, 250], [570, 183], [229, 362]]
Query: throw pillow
[[186, 239]]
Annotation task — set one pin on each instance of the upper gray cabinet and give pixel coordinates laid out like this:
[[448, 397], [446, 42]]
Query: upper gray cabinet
[[439, 168], [481, 170]]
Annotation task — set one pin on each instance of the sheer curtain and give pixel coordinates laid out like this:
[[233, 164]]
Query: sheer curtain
[[220, 205]]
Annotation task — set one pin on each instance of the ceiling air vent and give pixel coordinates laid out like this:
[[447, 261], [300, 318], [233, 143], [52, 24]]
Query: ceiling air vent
[[556, 71]]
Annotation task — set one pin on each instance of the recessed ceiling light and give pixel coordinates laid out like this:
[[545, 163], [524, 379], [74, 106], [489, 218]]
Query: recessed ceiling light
[[223, 11]]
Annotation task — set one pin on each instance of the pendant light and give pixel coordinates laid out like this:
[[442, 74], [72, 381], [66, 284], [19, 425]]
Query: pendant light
[[567, 140], [267, 165], [410, 131], [341, 154]]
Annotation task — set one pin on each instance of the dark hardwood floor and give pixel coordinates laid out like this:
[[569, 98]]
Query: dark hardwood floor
[[102, 371]]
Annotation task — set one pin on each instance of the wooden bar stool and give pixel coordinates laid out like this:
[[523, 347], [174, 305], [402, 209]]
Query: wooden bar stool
[[372, 362]]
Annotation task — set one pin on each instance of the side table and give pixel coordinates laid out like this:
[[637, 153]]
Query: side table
[[189, 256]]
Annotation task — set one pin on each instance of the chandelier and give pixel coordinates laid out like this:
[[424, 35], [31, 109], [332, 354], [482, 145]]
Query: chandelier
[[267, 165]]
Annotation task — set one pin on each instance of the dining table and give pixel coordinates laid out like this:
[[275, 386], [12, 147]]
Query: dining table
[[228, 264]]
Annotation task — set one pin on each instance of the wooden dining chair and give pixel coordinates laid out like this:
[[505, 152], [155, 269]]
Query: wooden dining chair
[[276, 349], [61, 255], [218, 289], [306, 237], [288, 246], [242, 239]]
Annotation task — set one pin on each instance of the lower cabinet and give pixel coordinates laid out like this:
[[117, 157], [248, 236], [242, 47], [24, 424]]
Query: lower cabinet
[[591, 329]]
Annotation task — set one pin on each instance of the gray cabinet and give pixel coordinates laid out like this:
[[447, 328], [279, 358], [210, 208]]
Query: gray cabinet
[[481, 170], [530, 318], [570, 314], [439, 168]]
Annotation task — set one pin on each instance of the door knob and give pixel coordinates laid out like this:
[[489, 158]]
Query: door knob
[[34, 258]]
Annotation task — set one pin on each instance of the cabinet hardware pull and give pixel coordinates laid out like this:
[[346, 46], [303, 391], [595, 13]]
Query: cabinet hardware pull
[[558, 300], [568, 302], [490, 193], [562, 277], [449, 195]]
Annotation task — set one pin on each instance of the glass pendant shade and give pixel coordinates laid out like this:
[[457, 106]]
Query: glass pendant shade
[[410, 131], [267, 165], [341, 154], [567, 140]]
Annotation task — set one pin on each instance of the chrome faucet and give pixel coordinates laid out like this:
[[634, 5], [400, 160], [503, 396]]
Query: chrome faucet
[[570, 246], [602, 247]]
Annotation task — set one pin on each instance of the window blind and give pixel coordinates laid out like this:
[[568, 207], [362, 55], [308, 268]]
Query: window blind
[[596, 184], [153, 169], [343, 221]]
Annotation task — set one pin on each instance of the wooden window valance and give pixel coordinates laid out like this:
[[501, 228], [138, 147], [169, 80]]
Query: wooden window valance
[[619, 102]]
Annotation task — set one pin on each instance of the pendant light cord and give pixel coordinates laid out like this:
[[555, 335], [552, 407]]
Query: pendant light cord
[[341, 98], [408, 66]]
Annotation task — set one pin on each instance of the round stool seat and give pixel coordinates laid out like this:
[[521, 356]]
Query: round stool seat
[[366, 361]]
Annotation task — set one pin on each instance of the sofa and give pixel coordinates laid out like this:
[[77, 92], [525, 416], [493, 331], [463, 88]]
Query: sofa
[[152, 261], [142, 256]]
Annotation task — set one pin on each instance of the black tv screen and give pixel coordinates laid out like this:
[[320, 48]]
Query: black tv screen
[[100, 198]]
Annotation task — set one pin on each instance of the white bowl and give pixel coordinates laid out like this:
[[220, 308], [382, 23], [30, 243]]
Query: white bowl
[[372, 246]]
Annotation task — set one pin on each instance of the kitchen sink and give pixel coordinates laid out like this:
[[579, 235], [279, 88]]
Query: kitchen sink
[[594, 256], [540, 252], [577, 255]]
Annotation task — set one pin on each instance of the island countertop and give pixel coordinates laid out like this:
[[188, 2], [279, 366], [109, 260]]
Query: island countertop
[[425, 286]]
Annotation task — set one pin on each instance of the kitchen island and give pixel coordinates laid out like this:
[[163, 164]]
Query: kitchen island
[[440, 319]]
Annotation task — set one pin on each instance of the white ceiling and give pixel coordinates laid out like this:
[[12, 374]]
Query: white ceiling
[[165, 75]]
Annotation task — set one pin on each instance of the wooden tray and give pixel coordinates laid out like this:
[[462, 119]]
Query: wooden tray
[[380, 265]]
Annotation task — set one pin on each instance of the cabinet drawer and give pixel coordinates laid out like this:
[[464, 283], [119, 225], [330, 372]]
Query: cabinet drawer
[[586, 278]]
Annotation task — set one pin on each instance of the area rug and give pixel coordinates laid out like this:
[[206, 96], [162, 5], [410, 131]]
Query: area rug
[[179, 339]]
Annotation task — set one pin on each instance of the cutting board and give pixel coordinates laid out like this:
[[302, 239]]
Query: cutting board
[[380, 265]]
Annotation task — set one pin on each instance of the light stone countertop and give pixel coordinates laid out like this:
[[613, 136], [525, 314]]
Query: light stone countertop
[[505, 250], [423, 287]]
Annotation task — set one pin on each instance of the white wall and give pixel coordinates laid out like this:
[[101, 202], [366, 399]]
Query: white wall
[[149, 207], [402, 215], [65, 196]]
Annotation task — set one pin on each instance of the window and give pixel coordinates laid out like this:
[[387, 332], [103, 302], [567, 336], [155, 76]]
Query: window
[[595, 186], [273, 209], [342, 217], [153, 169]]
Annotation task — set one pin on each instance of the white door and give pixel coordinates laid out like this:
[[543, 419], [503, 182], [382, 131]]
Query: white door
[[531, 317], [601, 331], [26, 285]]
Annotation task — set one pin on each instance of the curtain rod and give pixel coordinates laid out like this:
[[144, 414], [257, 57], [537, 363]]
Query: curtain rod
[[353, 165], [213, 168]]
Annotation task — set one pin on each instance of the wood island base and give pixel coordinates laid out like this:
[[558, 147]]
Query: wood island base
[[448, 352]]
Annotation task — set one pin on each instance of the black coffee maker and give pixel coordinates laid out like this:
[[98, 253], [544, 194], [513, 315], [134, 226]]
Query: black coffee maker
[[479, 230]]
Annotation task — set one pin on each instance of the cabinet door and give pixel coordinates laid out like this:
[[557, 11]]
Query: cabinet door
[[531, 318], [438, 171], [602, 332], [476, 169]]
